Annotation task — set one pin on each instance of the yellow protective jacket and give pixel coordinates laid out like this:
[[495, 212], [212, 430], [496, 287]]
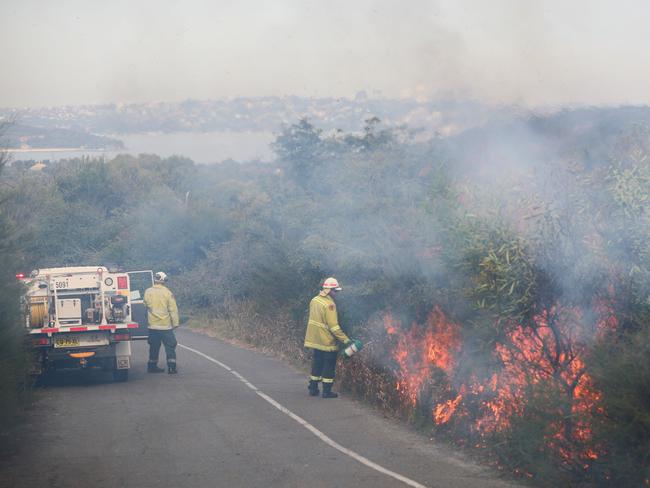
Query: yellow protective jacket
[[323, 327], [161, 307]]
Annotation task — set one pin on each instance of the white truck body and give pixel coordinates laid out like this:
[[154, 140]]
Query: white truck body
[[79, 317]]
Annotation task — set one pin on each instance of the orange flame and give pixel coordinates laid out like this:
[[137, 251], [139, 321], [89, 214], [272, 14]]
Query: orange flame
[[549, 349], [422, 348], [443, 411]]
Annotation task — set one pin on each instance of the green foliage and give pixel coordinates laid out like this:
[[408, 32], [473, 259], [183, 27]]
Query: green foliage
[[13, 357], [301, 146], [503, 279], [621, 371]]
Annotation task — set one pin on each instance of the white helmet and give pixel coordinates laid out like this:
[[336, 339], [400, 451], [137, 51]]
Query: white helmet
[[160, 276], [331, 284]]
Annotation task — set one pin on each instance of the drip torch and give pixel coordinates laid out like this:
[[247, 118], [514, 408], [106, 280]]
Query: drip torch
[[352, 348]]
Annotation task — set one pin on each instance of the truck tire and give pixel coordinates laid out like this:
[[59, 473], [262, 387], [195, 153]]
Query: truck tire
[[120, 375]]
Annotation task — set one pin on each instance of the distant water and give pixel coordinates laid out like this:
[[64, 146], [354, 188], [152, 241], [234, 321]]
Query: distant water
[[202, 148]]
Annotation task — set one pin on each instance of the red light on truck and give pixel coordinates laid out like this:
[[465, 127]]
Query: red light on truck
[[20, 276], [121, 337], [122, 283], [41, 341]]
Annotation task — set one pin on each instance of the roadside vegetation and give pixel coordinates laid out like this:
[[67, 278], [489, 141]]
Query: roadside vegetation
[[500, 277], [14, 375]]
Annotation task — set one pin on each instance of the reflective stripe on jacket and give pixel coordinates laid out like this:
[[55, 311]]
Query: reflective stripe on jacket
[[161, 307], [323, 327]]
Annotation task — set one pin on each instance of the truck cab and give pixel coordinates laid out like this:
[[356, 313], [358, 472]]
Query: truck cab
[[81, 317]]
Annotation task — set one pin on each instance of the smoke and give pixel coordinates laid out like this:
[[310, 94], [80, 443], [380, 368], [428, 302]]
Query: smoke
[[378, 215], [507, 52], [529, 232]]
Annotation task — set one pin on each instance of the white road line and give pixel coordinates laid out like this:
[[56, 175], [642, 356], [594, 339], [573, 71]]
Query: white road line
[[308, 426]]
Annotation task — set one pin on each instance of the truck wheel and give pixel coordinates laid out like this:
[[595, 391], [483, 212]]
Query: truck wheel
[[120, 375]]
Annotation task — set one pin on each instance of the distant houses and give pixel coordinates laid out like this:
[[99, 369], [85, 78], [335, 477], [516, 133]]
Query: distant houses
[[38, 166]]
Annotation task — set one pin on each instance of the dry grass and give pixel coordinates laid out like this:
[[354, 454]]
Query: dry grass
[[239, 323]]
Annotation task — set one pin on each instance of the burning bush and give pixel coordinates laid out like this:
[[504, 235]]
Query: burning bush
[[537, 356]]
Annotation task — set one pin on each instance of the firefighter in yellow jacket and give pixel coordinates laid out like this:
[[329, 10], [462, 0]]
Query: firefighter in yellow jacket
[[163, 319], [323, 330]]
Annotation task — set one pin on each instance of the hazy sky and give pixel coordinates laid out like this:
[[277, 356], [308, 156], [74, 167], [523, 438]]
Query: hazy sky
[[529, 52]]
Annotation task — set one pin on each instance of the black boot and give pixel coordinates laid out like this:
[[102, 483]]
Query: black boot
[[153, 368], [171, 368], [327, 391], [313, 388]]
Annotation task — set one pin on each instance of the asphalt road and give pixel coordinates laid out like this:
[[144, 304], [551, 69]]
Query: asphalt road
[[251, 426]]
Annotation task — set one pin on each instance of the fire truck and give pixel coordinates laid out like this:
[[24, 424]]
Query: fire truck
[[84, 317]]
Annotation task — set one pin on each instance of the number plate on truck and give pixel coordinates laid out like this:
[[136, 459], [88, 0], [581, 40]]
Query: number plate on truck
[[81, 340]]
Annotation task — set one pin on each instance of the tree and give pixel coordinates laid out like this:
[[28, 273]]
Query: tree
[[301, 147], [13, 357]]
